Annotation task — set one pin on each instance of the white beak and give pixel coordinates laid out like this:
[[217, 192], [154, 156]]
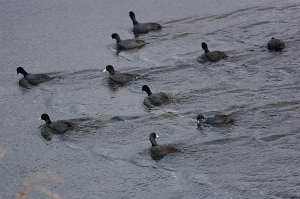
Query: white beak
[[198, 121], [104, 70], [111, 38], [40, 118], [157, 136]]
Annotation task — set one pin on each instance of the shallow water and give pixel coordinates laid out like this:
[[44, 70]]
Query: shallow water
[[107, 154]]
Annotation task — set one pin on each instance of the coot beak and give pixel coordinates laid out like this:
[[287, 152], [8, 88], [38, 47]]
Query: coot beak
[[104, 70], [111, 38], [200, 121], [157, 136], [40, 118]]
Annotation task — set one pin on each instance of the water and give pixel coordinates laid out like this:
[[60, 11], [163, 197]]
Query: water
[[107, 155]]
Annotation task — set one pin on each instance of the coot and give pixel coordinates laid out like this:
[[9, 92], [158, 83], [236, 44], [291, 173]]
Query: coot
[[158, 150], [276, 44], [127, 44], [214, 119], [213, 56], [143, 27], [120, 78], [155, 99], [59, 127], [33, 79]]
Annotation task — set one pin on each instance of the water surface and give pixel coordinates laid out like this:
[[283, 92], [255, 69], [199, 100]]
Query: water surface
[[107, 155]]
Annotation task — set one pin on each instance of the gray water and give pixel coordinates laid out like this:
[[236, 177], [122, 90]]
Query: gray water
[[107, 154]]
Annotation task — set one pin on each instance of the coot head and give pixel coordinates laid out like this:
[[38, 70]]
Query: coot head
[[131, 14], [46, 118], [152, 139], [115, 36], [146, 89], [110, 69], [21, 70], [204, 46], [200, 119]]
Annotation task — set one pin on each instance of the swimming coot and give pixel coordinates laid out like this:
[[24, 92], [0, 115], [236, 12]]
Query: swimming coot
[[155, 99], [127, 44], [33, 79], [214, 119], [120, 78], [59, 127], [276, 44], [143, 27], [213, 56], [158, 150]]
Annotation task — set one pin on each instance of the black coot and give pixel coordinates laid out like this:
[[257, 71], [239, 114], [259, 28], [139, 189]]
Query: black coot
[[213, 56], [127, 44], [158, 150], [155, 99], [59, 127], [143, 27], [33, 79], [214, 119], [120, 78], [276, 44]]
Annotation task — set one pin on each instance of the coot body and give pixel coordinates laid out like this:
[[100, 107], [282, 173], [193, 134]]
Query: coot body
[[276, 44]]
